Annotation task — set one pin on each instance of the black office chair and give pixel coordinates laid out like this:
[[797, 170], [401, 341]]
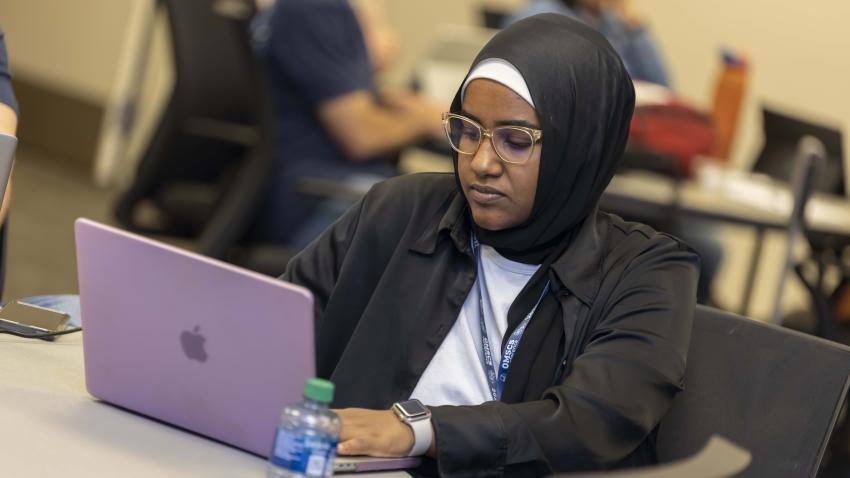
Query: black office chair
[[779, 158], [782, 134], [773, 391], [810, 159], [209, 128], [493, 18], [720, 458], [207, 167]]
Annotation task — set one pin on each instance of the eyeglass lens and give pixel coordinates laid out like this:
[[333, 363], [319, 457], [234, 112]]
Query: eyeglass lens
[[513, 145]]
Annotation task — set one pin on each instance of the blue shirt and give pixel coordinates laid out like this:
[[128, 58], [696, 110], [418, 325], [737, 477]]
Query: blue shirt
[[7, 96], [315, 52], [635, 46]]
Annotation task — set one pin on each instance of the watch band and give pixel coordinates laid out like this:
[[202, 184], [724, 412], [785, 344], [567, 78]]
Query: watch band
[[423, 435]]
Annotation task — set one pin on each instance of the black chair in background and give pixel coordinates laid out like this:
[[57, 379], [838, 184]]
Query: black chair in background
[[493, 17], [780, 158], [810, 159], [207, 166], [720, 458], [207, 127], [770, 390], [782, 134]]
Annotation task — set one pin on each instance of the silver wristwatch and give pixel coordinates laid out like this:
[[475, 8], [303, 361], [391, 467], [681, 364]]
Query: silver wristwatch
[[418, 418]]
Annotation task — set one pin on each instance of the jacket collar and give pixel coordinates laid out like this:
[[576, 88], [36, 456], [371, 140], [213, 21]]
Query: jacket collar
[[454, 223], [578, 269]]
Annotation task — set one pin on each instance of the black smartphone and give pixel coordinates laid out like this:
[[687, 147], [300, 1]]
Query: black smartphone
[[31, 319]]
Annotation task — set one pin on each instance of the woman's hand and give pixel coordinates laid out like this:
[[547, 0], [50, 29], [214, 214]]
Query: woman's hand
[[373, 432]]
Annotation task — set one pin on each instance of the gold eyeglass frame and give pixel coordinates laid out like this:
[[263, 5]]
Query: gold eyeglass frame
[[536, 136]]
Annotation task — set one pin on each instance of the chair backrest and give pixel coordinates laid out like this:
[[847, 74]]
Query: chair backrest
[[782, 134], [215, 73], [494, 18], [210, 120], [810, 160], [720, 458], [773, 391]]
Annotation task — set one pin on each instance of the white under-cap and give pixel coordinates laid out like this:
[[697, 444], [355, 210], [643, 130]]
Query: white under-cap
[[500, 71]]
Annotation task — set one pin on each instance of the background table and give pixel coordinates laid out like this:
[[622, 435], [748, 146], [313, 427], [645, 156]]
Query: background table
[[737, 198], [740, 198]]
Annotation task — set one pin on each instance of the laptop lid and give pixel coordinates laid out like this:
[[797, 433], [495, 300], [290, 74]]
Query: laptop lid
[[7, 155], [189, 340], [366, 464]]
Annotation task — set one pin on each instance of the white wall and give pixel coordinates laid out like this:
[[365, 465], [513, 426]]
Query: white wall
[[416, 23], [800, 51], [70, 45]]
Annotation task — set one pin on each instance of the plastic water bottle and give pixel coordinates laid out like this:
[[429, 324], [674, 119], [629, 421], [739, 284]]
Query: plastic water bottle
[[305, 444], [730, 87]]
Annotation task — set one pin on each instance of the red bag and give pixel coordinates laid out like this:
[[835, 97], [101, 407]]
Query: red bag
[[674, 130]]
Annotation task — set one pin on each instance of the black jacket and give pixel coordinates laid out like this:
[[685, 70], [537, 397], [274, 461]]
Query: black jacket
[[389, 279]]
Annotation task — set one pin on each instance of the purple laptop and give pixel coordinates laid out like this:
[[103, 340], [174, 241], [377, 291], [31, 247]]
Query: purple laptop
[[189, 340]]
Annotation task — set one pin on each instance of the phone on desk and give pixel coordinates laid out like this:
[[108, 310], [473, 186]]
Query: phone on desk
[[31, 319]]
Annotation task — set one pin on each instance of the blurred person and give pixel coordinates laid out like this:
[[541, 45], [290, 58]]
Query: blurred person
[[8, 113], [330, 120], [69, 304], [9, 126], [621, 26], [381, 39]]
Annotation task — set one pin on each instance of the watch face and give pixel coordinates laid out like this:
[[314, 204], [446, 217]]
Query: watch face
[[412, 408]]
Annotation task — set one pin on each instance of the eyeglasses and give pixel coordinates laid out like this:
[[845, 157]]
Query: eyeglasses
[[513, 144]]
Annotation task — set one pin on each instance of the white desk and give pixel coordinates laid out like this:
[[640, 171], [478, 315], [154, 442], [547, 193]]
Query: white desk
[[736, 198], [654, 196], [49, 425], [743, 200]]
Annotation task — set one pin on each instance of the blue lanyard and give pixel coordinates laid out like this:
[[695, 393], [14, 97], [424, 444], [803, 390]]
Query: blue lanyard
[[496, 377]]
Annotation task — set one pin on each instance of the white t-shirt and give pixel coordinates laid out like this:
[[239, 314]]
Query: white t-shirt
[[455, 375]]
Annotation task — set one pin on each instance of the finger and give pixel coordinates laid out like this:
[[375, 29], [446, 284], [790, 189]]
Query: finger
[[349, 424], [353, 446], [346, 432]]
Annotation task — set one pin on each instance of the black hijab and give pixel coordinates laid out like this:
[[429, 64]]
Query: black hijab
[[584, 99]]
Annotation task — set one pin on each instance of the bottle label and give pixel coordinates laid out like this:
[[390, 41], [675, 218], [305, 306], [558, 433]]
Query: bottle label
[[311, 455]]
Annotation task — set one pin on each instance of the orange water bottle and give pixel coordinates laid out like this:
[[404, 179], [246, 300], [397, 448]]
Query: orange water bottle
[[728, 97]]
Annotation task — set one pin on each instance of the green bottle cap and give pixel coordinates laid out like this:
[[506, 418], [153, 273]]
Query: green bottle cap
[[319, 390]]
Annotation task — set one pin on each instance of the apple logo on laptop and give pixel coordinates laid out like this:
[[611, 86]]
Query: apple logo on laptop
[[193, 344]]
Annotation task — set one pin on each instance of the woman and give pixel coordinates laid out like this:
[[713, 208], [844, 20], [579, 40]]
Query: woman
[[593, 314]]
